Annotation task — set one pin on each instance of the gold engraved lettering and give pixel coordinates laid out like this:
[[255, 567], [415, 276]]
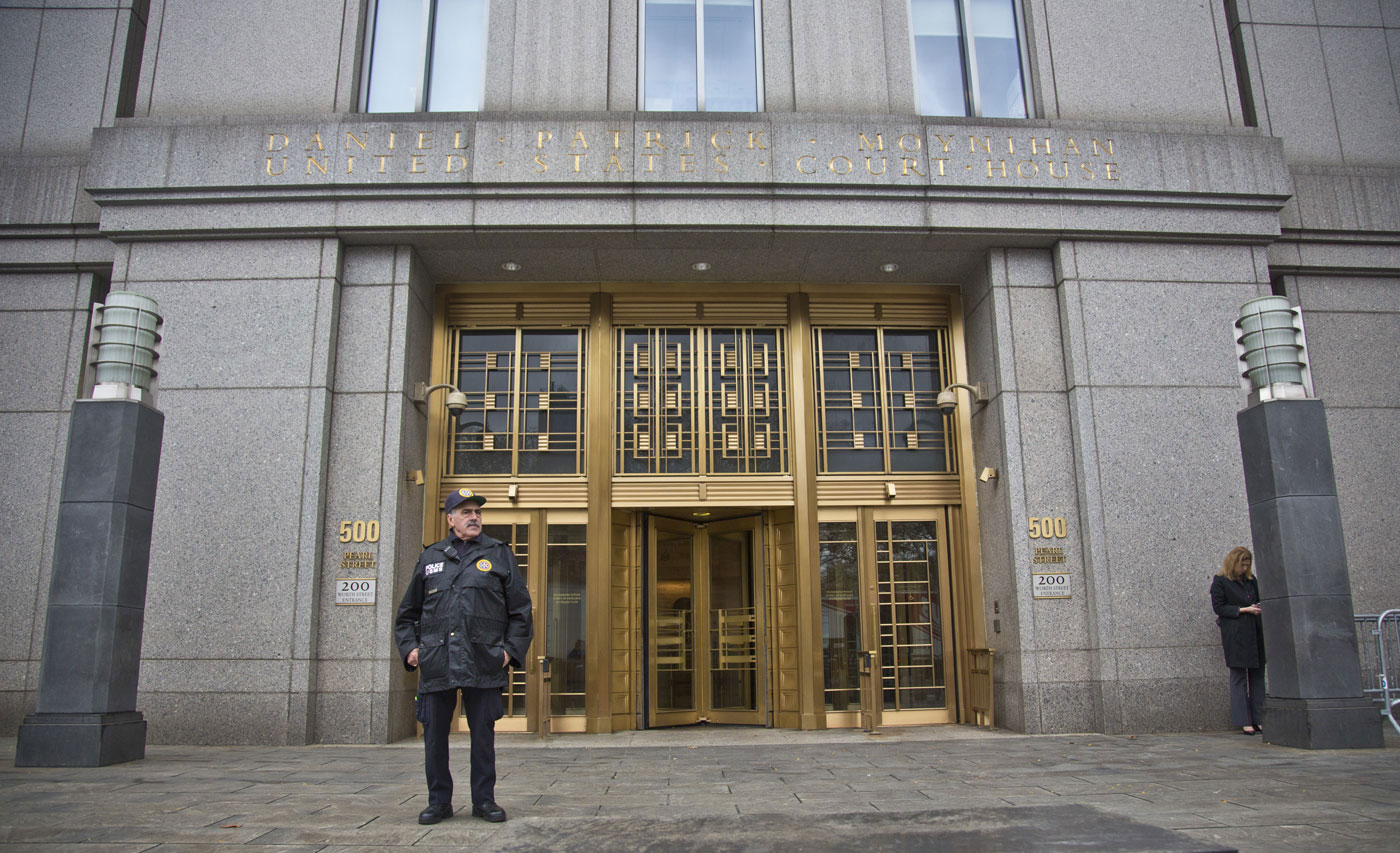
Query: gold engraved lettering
[[989, 168], [832, 165], [651, 162], [383, 159], [543, 166], [612, 161], [944, 141], [972, 144], [1010, 145], [1020, 170], [350, 164], [417, 165], [425, 140], [351, 137], [756, 139], [1051, 165], [872, 171], [272, 141], [1070, 146], [799, 164], [653, 136], [578, 140], [1108, 149], [720, 165], [457, 141], [714, 140], [865, 144], [320, 166], [940, 161], [1034, 150], [542, 137], [617, 143], [578, 159], [1088, 172], [316, 140], [391, 140], [918, 142], [687, 139], [911, 165], [279, 171], [687, 162], [448, 167], [1108, 171]]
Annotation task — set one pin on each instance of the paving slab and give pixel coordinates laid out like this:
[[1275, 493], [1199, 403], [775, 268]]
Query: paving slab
[[752, 789]]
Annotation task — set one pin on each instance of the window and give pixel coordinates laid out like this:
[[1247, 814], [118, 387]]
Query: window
[[426, 55], [876, 392], [700, 55], [967, 58]]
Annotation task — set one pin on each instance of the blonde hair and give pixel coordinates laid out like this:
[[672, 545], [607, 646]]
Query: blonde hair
[[1235, 567]]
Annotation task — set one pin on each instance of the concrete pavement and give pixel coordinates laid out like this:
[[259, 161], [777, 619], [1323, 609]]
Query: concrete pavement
[[718, 788]]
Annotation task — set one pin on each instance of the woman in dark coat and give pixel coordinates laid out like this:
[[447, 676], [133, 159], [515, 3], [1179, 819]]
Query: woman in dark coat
[[1234, 595]]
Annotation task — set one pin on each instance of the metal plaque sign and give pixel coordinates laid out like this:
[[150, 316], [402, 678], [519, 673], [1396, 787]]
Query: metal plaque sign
[[354, 590], [1050, 584]]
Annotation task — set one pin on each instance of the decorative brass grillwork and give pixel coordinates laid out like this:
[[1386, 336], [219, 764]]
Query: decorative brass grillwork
[[912, 672], [525, 402], [876, 391], [701, 400]]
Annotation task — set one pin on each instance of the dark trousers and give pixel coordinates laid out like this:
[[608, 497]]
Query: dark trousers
[[483, 708], [1246, 696]]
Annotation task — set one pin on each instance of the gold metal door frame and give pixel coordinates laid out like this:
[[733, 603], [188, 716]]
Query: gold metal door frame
[[710, 639]]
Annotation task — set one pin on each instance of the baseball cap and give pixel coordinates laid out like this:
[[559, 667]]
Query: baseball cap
[[457, 496]]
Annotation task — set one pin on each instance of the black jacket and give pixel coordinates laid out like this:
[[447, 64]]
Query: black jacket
[[1241, 634], [465, 604]]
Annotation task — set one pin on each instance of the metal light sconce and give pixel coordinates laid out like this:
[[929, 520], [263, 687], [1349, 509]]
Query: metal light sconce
[[125, 331], [948, 398], [1273, 350], [987, 475], [456, 400]]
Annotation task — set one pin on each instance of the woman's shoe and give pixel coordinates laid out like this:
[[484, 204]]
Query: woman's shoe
[[1249, 731]]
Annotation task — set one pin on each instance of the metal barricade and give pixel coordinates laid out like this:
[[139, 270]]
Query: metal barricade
[[980, 701], [1378, 641]]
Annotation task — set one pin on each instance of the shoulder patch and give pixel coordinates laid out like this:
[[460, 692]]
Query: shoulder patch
[[483, 565], [432, 568]]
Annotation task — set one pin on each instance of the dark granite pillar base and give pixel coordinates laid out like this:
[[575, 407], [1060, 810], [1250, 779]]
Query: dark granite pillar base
[[80, 740], [1323, 723]]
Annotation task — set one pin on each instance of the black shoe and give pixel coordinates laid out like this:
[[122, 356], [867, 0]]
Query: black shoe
[[489, 811], [436, 812]]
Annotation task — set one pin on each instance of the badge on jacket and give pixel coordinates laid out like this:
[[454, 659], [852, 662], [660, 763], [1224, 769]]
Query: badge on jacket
[[432, 568], [483, 565]]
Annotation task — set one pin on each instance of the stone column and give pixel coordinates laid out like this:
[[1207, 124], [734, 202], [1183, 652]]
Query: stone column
[[86, 713], [1314, 696]]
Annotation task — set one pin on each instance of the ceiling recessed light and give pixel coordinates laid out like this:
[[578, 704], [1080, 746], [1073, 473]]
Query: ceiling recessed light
[[888, 267], [510, 266], [699, 266]]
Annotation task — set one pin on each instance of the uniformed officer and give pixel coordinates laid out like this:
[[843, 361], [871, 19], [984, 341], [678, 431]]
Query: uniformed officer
[[464, 620]]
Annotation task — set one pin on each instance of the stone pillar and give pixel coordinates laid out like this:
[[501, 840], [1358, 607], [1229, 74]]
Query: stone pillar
[[86, 712], [1313, 670]]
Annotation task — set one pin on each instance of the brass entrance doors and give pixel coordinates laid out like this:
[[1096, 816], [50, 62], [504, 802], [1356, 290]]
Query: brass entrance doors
[[705, 624]]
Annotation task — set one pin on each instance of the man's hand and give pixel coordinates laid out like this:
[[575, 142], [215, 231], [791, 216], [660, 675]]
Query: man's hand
[[413, 658], [507, 663]]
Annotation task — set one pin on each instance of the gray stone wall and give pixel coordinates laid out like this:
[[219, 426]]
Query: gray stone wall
[[43, 331], [232, 603]]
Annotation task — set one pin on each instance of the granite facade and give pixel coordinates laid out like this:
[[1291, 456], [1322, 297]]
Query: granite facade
[[1180, 160]]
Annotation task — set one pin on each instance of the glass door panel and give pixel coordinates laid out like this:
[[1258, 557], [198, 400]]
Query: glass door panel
[[673, 630], [911, 576], [840, 591], [567, 569], [734, 620]]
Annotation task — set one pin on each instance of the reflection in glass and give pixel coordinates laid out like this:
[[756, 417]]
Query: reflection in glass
[[731, 78], [938, 58], [840, 615], [396, 56], [675, 622], [670, 55], [457, 77], [733, 631], [567, 566], [998, 59]]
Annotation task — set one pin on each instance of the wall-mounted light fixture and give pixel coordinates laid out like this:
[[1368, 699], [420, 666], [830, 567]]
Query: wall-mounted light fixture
[[987, 475]]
